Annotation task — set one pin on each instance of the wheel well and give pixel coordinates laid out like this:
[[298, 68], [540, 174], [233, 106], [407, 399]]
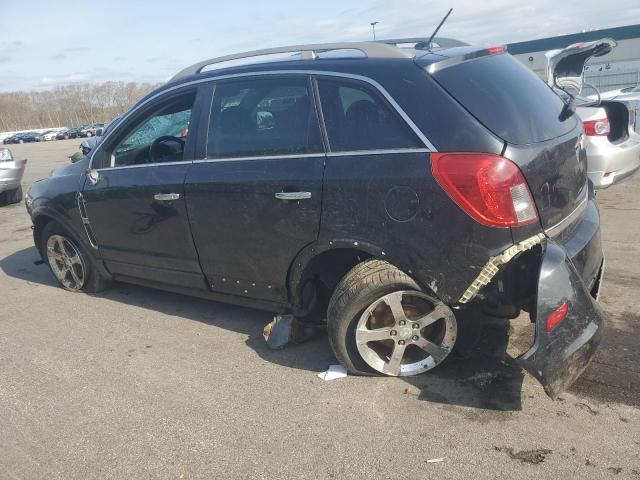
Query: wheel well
[[319, 279], [38, 226]]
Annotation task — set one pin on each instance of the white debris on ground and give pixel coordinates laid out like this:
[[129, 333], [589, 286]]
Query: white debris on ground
[[333, 372]]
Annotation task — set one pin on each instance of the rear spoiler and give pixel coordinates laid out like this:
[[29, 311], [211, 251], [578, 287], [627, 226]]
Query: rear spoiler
[[434, 62]]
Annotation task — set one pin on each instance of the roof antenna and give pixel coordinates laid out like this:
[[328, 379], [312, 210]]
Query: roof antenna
[[427, 45]]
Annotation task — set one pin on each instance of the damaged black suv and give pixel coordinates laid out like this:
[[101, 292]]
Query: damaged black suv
[[387, 190]]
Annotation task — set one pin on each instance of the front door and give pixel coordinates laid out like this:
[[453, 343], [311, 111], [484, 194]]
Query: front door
[[255, 201], [136, 208]]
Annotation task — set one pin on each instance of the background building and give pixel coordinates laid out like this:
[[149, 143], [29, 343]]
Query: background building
[[618, 69]]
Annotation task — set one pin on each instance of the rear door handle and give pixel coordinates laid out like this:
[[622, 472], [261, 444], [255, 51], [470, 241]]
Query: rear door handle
[[293, 195], [166, 197]]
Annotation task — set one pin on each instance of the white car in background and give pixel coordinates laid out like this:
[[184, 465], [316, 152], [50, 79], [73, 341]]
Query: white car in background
[[611, 127], [47, 136]]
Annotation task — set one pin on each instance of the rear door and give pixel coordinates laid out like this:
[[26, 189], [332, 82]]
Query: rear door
[[254, 201], [521, 109]]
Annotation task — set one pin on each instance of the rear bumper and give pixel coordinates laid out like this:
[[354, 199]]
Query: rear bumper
[[619, 161], [571, 272]]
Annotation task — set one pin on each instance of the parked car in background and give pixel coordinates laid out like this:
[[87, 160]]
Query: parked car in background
[[12, 139], [23, 137], [11, 172], [73, 132], [89, 130], [63, 134], [29, 137], [610, 125], [391, 193], [46, 136], [89, 144]]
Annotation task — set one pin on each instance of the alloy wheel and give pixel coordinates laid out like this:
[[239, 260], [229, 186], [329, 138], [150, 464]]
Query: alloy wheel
[[405, 333], [66, 262]]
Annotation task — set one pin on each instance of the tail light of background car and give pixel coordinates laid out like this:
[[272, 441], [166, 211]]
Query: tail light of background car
[[597, 128], [490, 188]]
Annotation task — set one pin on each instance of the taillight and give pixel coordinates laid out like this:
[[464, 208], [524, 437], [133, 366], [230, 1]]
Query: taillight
[[490, 188], [597, 128], [495, 50], [557, 316]]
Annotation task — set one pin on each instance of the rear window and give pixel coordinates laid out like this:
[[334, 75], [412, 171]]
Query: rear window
[[508, 98]]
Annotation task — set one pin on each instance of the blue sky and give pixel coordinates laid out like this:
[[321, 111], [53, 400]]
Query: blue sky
[[44, 44]]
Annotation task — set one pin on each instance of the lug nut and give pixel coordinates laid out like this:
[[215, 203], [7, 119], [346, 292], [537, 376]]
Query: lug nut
[[416, 326], [400, 342], [393, 333], [401, 322], [415, 338]]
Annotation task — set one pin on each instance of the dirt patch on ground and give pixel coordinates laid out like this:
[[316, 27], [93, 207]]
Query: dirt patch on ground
[[532, 457]]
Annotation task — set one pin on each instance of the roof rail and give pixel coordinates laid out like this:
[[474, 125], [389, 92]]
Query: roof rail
[[309, 52], [442, 42]]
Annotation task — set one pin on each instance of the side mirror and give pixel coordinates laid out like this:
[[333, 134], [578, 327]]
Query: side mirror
[[93, 176]]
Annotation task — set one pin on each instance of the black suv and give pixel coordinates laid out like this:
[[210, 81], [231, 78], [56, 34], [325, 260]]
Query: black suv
[[390, 191]]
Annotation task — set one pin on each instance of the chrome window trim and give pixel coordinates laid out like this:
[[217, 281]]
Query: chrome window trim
[[428, 145], [260, 157], [126, 167], [382, 151], [314, 155]]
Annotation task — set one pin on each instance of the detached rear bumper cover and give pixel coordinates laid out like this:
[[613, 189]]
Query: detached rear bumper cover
[[557, 358]]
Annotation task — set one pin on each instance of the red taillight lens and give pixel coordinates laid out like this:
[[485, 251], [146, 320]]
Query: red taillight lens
[[490, 188], [597, 128], [557, 316], [494, 50]]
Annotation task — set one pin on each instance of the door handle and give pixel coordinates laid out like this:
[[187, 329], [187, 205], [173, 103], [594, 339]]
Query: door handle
[[293, 195], [166, 197]]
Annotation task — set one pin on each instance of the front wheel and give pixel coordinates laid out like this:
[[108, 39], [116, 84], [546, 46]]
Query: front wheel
[[380, 320], [74, 269]]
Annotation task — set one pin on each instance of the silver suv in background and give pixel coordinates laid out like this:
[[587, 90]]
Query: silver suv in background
[[11, 172]]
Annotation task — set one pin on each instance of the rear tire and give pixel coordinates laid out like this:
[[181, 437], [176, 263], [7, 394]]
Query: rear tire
[[73, 268], [370, 287]]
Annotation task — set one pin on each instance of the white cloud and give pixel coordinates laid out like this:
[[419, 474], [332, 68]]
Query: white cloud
[[65, 79]]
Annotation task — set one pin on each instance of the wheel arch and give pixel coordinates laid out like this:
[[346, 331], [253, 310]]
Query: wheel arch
[[41, 217], [328, 262]]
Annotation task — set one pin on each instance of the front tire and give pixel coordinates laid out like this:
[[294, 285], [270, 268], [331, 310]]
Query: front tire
[[70, 264], [381, 321]]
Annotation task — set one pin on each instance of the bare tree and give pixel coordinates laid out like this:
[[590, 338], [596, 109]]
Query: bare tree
[[69, 105]]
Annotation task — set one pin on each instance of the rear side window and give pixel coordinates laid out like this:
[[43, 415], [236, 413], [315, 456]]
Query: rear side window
[[508, 98], [257, 117], [358, 118]]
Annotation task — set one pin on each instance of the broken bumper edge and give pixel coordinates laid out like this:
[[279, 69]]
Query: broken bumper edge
[[557, 358]]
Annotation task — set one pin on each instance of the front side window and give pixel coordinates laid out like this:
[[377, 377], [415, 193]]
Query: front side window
[[358, 118], [160, 137], [263, 117]]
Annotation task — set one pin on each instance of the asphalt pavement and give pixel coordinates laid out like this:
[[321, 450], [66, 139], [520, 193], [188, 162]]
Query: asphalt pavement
[[140, 383]]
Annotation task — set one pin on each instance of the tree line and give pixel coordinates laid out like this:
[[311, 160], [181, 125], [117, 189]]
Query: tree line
[[69, 105]]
